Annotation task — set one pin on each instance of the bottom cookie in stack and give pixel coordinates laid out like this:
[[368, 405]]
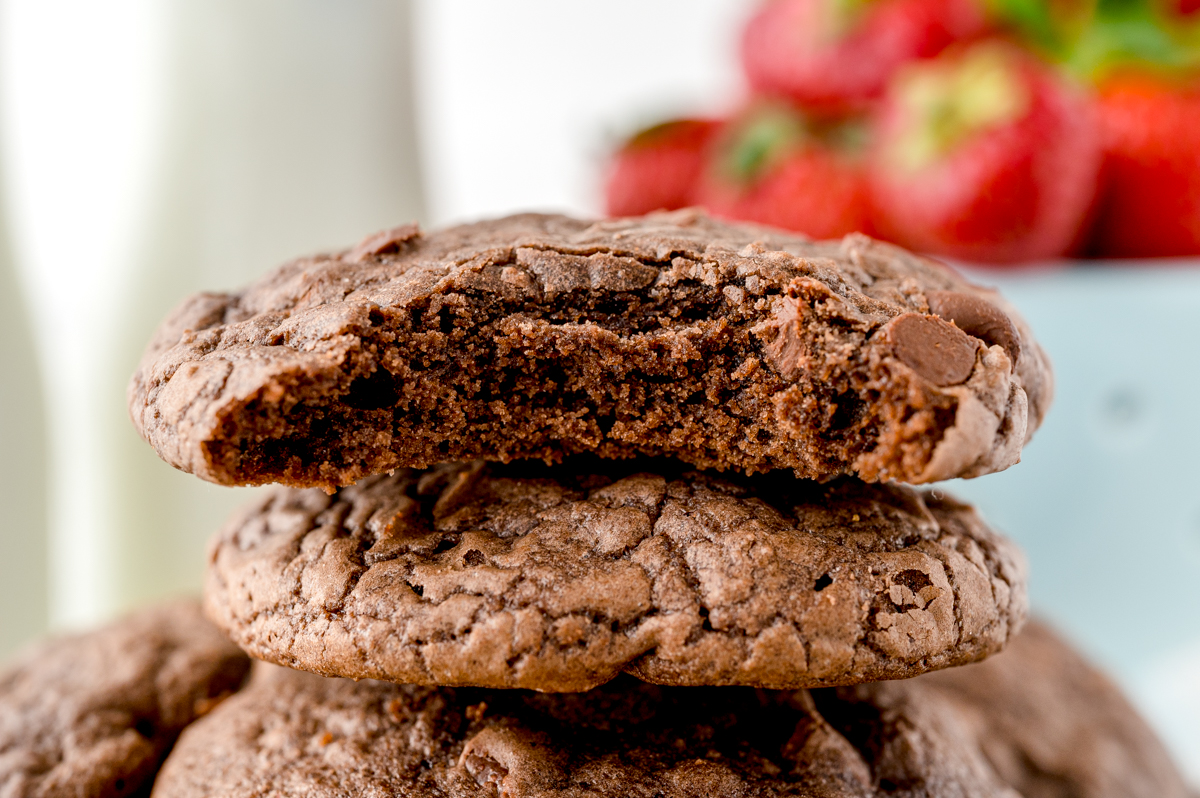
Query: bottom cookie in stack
[[1034, 721], [1051, 725], [92, 715]]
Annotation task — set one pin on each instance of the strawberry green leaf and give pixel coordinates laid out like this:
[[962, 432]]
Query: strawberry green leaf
[[761, 141], [1129, 32], [1032, 21]]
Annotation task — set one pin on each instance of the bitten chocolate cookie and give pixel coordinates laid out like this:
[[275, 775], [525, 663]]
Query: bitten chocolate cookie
[[559, 578], [725, 346], [1054, 727], [93, 714], [291, 733]]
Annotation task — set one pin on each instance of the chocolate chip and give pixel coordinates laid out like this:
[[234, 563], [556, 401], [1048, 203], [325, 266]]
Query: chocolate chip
[[487, 771], [787, 351], [459, 488], [978, 318], [935, 349], [385, 241]]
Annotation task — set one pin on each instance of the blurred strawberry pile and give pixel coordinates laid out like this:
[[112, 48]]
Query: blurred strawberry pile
[[988, 130]]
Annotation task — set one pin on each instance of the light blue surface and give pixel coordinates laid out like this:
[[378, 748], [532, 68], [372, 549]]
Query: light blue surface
[[1106, 500]]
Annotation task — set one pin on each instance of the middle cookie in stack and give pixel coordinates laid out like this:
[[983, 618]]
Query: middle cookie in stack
[[558, 579], [573, 376]]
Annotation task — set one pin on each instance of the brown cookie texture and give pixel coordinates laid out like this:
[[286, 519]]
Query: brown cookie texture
[[93, 714], [1054, 727], [726, 346], [558, 578], [291, 734]]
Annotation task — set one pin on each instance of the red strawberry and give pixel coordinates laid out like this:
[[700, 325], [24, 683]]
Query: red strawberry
[[777, 167], [658, 167], [838, 54], [1150, 206], [985, 154]]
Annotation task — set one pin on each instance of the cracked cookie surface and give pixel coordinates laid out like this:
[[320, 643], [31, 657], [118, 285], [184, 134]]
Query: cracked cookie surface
[[1052, 725], [291, 733], [557, 578], [93, 714], [726, 346]]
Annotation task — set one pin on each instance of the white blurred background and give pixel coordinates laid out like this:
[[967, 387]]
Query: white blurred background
[[151, 149]]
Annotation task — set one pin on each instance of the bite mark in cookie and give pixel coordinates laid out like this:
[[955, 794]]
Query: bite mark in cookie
[[726, 346]]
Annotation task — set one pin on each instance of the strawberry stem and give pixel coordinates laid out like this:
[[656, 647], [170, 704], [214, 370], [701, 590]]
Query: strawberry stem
[[1034, 22]]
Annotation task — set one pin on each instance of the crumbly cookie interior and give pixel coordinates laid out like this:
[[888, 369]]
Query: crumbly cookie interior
[[684, 365]]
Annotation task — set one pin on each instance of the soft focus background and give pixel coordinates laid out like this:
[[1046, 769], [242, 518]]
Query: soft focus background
[[152, 149]]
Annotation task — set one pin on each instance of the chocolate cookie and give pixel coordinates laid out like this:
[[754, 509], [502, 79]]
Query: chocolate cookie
[[726, 346], [291, 733], [93, 714], [557, 578], [1054, 727]]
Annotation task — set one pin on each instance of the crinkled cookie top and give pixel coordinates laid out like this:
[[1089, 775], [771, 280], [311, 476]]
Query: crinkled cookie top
[[291, 733], [93, 714], [1052, 725], [559, 578]]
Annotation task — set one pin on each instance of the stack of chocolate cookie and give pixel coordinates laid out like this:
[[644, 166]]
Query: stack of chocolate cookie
[[647, 471]]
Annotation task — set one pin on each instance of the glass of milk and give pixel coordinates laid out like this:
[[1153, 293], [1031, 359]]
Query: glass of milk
[[154, 149]]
